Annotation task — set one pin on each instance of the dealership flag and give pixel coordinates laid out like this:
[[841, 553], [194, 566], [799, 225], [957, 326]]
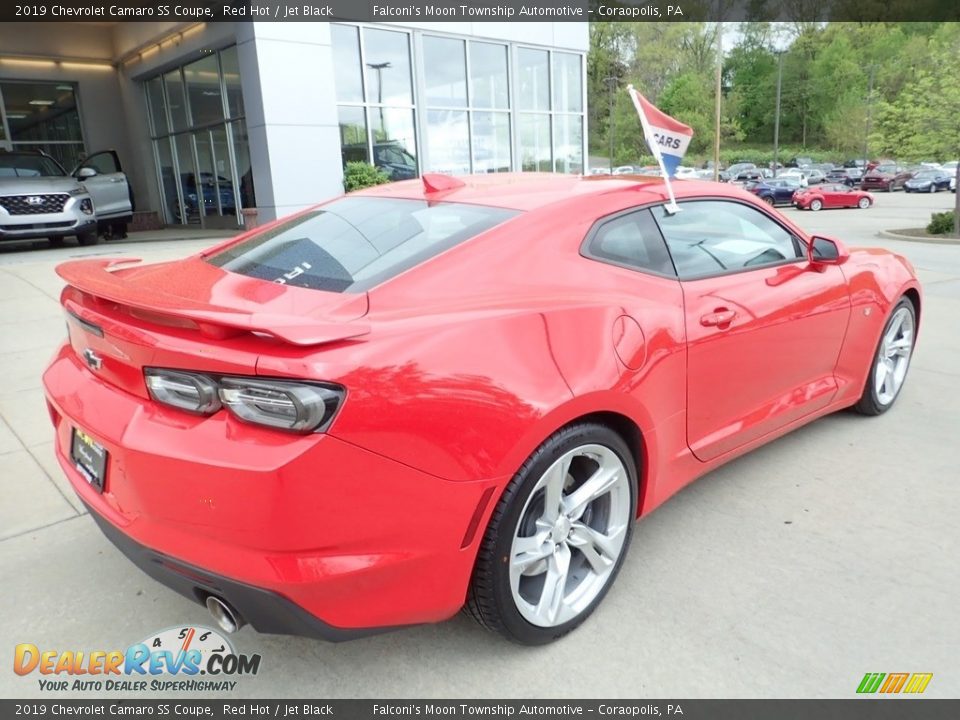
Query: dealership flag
[[666, 137]]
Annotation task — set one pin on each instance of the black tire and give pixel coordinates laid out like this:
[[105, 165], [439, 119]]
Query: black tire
[[769, 200], [489, 598], [869, 403], [88, 238]]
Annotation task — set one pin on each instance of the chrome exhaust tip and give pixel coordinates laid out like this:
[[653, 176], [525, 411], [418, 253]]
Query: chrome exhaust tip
[[224, 615]]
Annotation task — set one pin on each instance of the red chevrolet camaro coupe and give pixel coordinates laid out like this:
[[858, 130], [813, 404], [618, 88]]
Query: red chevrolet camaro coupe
[[438, 393]]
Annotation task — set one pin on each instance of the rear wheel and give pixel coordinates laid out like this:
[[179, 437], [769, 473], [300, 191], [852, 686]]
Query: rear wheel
[[557, 537], [891, 361], [864, 203], [769, 200], [88, 238], [816, 205]]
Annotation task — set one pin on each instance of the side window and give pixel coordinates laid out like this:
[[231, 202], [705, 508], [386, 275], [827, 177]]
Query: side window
[[104, 163], [715, 237], [631, 240]]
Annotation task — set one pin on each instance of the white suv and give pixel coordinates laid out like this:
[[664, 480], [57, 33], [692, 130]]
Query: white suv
[[38, 199]]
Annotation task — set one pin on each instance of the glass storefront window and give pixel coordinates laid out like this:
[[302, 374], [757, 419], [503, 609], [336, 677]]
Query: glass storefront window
[[43, 116], [445, 71], [394, 142], [177, 100], [533, 76], [241, 150], [230, 66], [387, 67], [157, 105], [567, 83], [348, 75], [353, 134], [203, 89], [203, 155], [534, 136], [488, 76], [491, 142], [448, 141], [568, 143]]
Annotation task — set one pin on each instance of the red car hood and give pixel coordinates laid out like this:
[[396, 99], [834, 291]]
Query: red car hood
[[220, 303]]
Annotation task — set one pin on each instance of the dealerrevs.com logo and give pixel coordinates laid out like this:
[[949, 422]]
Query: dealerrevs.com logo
[[192, 658]]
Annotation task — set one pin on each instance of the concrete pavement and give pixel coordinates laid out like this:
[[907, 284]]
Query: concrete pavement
[[788, 573]]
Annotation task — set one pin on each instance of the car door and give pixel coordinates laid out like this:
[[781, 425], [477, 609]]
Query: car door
[[764, 326], [107, 184]]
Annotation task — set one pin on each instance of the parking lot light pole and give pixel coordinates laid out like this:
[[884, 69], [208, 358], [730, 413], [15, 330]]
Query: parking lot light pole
[[776, 120]]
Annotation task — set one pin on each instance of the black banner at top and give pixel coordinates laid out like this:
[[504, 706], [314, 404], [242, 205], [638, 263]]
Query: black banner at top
[[479, 10]]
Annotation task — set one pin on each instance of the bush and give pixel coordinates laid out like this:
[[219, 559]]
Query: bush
[[941, 223], [359, 175]]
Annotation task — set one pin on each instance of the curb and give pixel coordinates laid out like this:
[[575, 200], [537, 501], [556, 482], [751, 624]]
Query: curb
[[932, 240]]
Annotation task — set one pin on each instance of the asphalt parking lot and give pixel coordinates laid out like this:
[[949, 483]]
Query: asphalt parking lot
[[790, 572]]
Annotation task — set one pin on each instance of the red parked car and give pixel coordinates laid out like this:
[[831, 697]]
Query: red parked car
[[885, 177], [438, 393], [832, 196]]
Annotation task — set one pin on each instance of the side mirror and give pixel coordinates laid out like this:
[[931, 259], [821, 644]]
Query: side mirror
[[85, 172], [826, 251]]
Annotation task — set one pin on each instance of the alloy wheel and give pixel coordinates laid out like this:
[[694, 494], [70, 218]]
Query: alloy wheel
[[893, 359], [571, 533]]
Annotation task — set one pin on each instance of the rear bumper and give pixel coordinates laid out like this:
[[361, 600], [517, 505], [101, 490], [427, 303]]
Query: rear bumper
[[264, 610], [341, 540]]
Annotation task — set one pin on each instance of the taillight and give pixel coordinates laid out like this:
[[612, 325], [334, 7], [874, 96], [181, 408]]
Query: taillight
[[185, 391], [282, 404]]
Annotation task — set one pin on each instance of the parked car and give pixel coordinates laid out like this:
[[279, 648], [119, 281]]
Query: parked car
[[206, 192], [860, 163], [885, 177], [848, 176], [832, 195], [624, 170], [815, 176], [776, 191], [599, 171], [950, 168], [800, 162], [738, 168], [796, 173], [928, 181], [39, 199], [686, 173], [748, 177], [391, 157], [315, 428]]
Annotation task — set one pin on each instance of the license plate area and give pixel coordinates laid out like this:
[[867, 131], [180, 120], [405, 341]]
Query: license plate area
[[89, 458]]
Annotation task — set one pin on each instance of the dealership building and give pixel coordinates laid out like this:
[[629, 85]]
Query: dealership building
[[216, 122]]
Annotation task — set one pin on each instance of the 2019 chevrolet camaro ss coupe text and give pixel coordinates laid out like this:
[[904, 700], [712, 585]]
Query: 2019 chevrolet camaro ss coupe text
[[436, 394]]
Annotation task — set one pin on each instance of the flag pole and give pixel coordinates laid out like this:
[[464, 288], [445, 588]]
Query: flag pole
[[671, 207]]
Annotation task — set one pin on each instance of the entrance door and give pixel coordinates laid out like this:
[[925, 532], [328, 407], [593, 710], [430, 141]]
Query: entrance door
[[217, 178]]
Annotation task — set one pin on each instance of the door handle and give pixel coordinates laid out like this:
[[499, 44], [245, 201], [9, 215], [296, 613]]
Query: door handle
[[721, 318], [115, 180]]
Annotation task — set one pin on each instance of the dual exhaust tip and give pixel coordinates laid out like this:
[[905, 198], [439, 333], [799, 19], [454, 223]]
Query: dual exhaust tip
[[224, 614]]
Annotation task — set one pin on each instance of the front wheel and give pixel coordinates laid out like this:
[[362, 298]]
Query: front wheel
[[88, 238], [816, 205], [891, 361], [864, 203], [933, 188], [557, 537]]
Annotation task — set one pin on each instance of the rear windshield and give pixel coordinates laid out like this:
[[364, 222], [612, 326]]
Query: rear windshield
[[355, 243]]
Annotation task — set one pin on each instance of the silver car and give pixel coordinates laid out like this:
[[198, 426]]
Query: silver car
[[38, 199]]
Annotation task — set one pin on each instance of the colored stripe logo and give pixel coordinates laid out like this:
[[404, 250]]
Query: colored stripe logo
[[893, 683]]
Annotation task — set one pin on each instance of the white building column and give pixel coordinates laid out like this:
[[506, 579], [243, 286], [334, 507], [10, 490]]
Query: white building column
[[286, 70]]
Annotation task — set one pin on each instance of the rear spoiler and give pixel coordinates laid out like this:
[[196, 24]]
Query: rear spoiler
[[94, 277]]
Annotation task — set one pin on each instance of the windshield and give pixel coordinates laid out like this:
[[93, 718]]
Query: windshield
[[355, 243], [928, 175], [24, 165]]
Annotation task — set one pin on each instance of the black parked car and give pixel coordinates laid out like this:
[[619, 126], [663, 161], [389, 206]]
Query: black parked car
[[929, 181], [776, 191], [849, 176]]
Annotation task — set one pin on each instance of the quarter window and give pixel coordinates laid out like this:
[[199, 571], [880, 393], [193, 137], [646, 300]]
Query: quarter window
[[715, 237], [632, 241]]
